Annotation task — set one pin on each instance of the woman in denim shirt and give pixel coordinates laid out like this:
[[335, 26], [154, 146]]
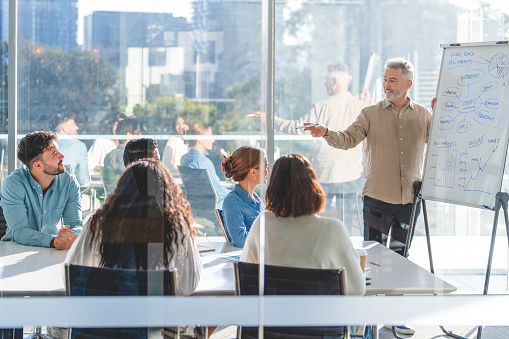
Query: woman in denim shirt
[[242, 205]]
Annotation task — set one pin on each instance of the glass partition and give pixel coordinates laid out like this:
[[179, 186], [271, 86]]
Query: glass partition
[[312, 37], [190, 76]]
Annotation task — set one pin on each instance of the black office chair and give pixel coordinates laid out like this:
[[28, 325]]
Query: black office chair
[[93, 281], [281, 280], [109, 177], [202, 197], [220, 219]]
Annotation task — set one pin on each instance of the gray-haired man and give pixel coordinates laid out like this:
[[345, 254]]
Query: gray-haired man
[[395, 131]]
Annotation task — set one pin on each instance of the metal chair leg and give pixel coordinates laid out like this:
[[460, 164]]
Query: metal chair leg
[[395, 334], [450, 334], [38, 334]]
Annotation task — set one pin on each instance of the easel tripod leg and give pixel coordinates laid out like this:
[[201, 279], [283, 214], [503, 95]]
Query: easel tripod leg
[[502, 199], [431, 267], [428, 238], [490, 258]]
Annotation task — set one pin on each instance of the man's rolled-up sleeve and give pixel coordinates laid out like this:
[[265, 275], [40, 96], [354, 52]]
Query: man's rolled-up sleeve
[[350, 137]]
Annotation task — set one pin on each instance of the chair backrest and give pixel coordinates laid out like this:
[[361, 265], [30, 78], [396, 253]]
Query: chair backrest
[[219, 215], [281, 280], [198, 184], [109, 177], [202, 197], [94, 281]]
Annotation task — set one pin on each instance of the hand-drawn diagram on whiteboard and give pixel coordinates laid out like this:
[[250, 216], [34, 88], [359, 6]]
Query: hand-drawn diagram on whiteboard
[[468, 142]]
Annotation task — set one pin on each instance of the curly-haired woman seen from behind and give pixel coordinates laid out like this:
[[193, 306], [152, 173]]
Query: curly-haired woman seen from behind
[[295, 235], [144, 224], [248, 167]]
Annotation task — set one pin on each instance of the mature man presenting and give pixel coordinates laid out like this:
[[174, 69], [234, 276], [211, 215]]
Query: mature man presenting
[[41, 197], [396, 130], [336, 170]]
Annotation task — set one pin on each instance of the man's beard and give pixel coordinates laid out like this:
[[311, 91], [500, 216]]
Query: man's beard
[[50, 170]]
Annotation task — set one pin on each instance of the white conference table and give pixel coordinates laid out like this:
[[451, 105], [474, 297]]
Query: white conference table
[[31, 271], [396, 275], [38, 271]]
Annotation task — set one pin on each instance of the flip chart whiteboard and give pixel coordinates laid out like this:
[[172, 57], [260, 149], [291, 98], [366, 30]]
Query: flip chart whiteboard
[[467, 146]]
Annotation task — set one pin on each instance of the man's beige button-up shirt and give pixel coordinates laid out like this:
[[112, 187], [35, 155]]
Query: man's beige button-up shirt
[[393, 150]]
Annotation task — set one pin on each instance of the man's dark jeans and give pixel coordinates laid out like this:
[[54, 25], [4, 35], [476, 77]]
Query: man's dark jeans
[[402, 212]]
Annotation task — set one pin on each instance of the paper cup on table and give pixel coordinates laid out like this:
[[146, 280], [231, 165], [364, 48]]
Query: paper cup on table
[[362, 255]]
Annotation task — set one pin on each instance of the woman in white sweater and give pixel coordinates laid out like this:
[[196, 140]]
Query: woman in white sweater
[[295, 235], [144, 224]]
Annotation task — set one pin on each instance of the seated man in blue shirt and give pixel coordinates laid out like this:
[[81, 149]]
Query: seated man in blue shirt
[[41, 197]]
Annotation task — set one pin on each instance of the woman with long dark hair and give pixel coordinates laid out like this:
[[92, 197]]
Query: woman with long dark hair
[[144, 224]]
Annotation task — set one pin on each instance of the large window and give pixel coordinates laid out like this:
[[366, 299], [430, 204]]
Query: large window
[[189, 69]]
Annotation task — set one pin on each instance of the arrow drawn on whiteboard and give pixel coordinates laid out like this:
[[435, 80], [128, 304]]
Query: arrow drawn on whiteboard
[[474, 177]]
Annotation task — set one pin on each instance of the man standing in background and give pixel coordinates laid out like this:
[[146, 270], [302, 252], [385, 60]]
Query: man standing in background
[[74, 150], [336, 170], [395, 131]]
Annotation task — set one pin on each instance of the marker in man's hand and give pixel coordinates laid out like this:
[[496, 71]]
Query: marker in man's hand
[[308, 125]]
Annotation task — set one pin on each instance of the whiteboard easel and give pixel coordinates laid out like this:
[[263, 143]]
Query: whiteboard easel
[[467, 145]]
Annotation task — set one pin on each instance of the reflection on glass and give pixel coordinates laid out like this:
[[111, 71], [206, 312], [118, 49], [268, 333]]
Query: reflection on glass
[[200, 62]]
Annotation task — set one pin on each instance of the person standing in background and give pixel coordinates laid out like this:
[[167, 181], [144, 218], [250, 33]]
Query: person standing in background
[[75, 150], [337, 171], [175, 148], [395, 131]]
